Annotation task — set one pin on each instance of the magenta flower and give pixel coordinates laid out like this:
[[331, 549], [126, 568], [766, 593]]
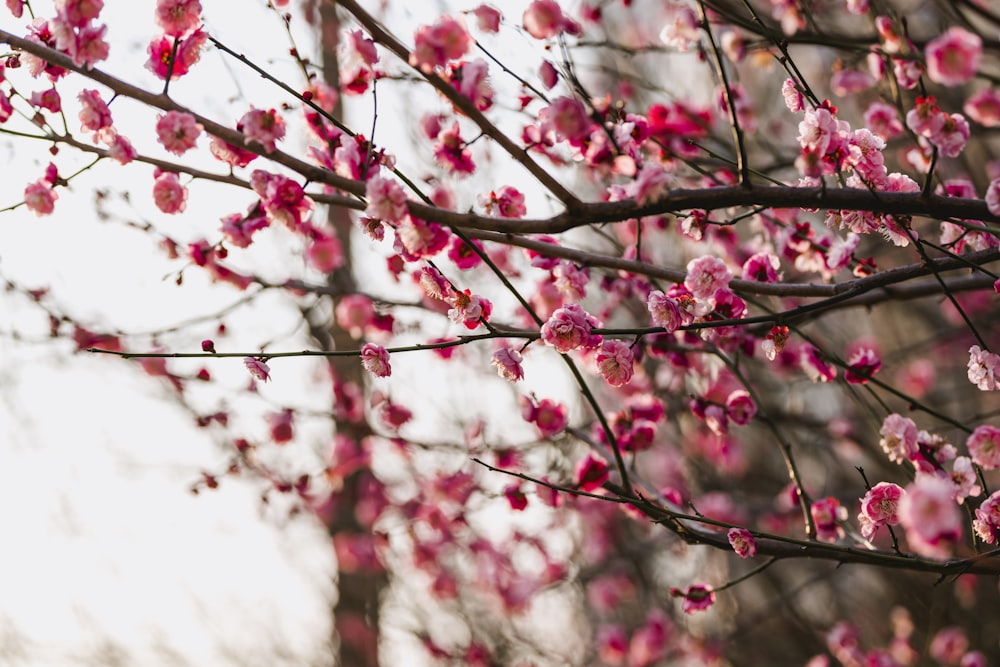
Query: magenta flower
[[879, 507], [570, 327], [591, 473], [257, 368], [40, 197], [862, 365], [547, 415], [667, 312], [740, 408], [469, 309], [544, 19], [614, 360], [178, 17], [743, 542], [375, 359], [508, 364], [265, 127], [984, 446], [698, 597], [435, 45], [168, 193], [827, 515]]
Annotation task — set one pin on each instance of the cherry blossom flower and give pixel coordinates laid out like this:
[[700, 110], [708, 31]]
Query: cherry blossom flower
[[544, 19], [47, 99], [953, 58], [470, 79], [883, 120], [375, 360], [862, 365], [650, 184], [265, 127], [827, 515], [814, 366], [931, 516], [178, 17], [178, 131], [40, 197], [452, 152], [487, 18], [508, 364], [547, 415], [762, 267], [435, 45], [282, 426], [667, 312], [792, 96], [743, 542], [257, 368], [386, 199], [168, 193], [683, 30], [879, 508], [697, 597], [706, 275], [94, 113], [993, 197], [740, 407], [952, 136], [987, 521], [614, 360], [984, 107], [121, 150], [570, 327], [899, 438], [507, 202], [984, 368], [548, 74], [325, 254], [567, 118], [963, 476], [515, 497], [161, 50], [984, 446], [591, 473], [468, 309]]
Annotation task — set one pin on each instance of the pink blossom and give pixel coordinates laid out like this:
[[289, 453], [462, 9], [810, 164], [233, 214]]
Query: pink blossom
[[861, 365], [706, 275], [792, 96], [257, 368], [827, 515], [283, 199], [984, 446], [375, 360], [931, 516], [470, 78], [281, 425], [925, 118], [762, 267], [952, 136], [953, 58], [265, 127], [547, 415], [188, 54], [435, 45], [948, 645], [984, 368], [963, 476], [178, 17], [591, 473], [16, 7], [508, 363], [984, 107], [570, 327], [487, 18], [121, 150], [94, 113], [571, 280], [612, 644], [650, 184], [433, 282], [879, 507], [354, 313], [987, 521], [468, 309], [740, 407], [743, 542], [89, 47], [993, 197], [683, 30], [6, 108], [178, 131], [515, 497], [818, 130], [325, 254], [883, 120], [899, 438], [697, 597], [666, 312], [47, 99], [464, 254], [386, 199], [507, 202], [568, 119], [548, 74], [168, 193], [40, 197], [614, 360], [544, 19], [452, 152]]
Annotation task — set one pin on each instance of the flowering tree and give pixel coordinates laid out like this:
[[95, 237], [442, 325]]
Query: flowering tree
[[730, 261]]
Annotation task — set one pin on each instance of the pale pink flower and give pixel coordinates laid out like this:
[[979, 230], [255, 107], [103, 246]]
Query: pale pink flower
[[697, 597], [375, 360], [814, 366], [257, 368], [94, 112], [178, 131], [792, 96], [507, 202], [265, 127], [16, 7], [984, 107], [544, 19], [925, 118], [567, 118], [570, 327], [487, 18], [666, 312], [743, 542], [89, 47], [571, 280], [46, 99], [817, 130], [706, 275], [469, 309], [931, 516], [325, 254], [953, 58], [548, 74], [508, 364], [435, 45], [470, 78], [948, 645], [899, 438], [40, 197], [650, 184], [614, 360], [993, 197], [879, 508], [984, 368], [168, 193], [121, 150], [987, 521], [984, 446], [434, 284], [451, 151], [683, 30], [354, 313], [963, 476], [827, 515], [178, 17], [952, 136], [386, 199], [883, 119]]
